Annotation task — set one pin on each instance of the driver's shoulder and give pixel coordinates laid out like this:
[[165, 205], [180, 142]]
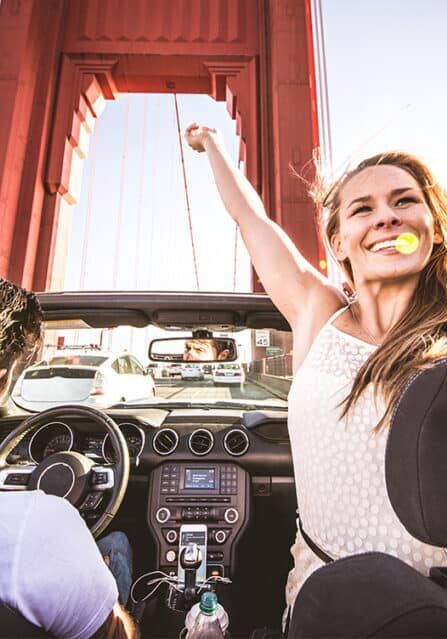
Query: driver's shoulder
[[37, 505]]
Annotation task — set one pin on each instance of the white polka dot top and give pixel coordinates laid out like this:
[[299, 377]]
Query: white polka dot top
[[340, 465]]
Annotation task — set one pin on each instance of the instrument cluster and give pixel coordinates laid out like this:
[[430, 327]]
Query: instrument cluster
[[59, 436]]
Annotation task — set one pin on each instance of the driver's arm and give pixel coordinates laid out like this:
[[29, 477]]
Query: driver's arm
[[52, 571]]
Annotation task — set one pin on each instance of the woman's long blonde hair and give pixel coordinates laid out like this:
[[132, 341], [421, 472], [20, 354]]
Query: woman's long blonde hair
[[419, 337]]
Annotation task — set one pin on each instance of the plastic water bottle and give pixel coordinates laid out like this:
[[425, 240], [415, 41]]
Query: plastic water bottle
[[206, 624]]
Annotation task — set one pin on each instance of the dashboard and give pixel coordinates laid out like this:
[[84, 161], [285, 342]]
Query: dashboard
[[202, 467], [256, 441]]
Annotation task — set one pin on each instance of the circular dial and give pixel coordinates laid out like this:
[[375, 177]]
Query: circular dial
[[49, 439], [56, 444], [134, 437]]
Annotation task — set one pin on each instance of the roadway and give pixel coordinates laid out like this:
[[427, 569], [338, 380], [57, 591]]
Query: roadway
[[182, 390]]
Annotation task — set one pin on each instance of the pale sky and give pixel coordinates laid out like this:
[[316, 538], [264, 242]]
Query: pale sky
[[386, 62], [385, 67]]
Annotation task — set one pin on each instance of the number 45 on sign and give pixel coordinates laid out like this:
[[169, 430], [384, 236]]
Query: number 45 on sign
[[262, 338]]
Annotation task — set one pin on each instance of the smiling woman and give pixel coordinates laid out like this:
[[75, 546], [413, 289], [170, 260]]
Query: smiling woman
[[399, 198], [351, 360]]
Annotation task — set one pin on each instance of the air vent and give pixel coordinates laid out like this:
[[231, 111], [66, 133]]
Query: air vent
[[236, 442], [201, 441], [165, 441]]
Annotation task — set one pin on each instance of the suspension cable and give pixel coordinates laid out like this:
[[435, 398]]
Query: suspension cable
[[88, 214], [188, 208], [322, 84], [121, 197], [140, 192]]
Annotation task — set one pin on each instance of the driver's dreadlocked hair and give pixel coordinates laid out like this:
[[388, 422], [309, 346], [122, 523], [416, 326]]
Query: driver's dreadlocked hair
[[20, 324]]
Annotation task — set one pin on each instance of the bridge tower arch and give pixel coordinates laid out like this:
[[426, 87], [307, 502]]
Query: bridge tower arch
[[61, 60]]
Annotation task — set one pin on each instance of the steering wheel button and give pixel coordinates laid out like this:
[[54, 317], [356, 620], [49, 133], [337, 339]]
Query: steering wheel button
[[17, 479]]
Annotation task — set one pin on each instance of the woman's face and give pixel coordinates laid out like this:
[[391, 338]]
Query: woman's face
[[377, 205]]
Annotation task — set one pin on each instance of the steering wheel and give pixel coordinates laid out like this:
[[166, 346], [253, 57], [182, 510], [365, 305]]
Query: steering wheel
[[90, 487]]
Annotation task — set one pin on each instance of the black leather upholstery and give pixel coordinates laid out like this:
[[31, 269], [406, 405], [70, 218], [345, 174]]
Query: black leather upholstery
[[416, 456], [369, 595]]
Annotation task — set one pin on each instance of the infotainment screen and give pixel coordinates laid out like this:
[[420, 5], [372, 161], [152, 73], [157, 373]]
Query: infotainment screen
[[200, 478]]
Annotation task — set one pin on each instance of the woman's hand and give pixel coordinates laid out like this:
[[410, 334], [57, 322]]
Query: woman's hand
[[196, 135]]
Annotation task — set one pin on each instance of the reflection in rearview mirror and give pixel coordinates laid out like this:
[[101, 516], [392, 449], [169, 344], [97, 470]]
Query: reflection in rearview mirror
[[179, 349]]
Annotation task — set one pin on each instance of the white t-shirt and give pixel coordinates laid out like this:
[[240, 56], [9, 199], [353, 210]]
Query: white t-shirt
[[51, 570]]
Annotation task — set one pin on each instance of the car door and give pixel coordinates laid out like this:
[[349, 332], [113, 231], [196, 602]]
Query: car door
[[126, 377]]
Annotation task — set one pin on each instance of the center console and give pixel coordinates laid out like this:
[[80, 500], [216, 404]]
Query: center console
[[214, 494]]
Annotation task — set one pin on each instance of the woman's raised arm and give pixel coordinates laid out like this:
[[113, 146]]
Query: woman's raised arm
[[291, 281]]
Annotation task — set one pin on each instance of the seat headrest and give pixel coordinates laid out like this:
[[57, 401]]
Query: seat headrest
[[416, 456]]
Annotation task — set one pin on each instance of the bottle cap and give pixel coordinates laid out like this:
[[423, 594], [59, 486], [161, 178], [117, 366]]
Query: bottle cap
[[208, 603], [221, 614]]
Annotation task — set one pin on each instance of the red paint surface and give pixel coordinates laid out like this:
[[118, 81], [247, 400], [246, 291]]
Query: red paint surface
[[64, 58]]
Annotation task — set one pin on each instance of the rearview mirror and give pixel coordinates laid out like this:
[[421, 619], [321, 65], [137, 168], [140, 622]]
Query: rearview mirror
[[179, 349]]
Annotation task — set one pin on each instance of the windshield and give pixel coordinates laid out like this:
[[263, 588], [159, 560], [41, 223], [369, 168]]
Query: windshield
[[80, 360], [260, 377]]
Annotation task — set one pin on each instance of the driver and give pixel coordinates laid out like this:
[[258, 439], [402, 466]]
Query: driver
[[43, 537], [205, 350]]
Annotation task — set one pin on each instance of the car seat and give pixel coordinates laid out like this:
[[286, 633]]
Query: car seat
[[374, 594]]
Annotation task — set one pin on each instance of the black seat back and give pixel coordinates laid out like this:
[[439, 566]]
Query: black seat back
[[369, 595], [378, 595], [416, 456], [14, 626]]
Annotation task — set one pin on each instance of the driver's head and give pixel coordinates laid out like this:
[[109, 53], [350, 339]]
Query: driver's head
[[200, 350], [203, 350], [20, 331]]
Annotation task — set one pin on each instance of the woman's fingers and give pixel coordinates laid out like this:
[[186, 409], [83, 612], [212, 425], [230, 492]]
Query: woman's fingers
[[195, 135], [192, 127]]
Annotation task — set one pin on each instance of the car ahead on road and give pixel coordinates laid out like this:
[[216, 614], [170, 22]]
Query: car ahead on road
[[191, 372], [174, 370], [226, 374], [192, 449], [93, 378]]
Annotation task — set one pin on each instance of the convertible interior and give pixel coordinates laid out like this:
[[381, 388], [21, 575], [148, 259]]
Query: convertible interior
[[197, 456], [195, 453]]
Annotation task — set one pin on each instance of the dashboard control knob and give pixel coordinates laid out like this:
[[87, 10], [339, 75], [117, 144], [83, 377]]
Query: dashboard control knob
[[231, 515], [162, 515], [171, 536], [220, 536], [171, 556]]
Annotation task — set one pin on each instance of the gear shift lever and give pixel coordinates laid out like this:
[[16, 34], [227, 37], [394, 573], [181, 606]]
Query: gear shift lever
[[190, 561]]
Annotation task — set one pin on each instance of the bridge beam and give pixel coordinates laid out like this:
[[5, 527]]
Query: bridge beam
[[62, 59]]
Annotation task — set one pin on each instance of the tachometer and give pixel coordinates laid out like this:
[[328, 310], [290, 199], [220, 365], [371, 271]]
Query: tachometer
[[134, 437], [57, 444]]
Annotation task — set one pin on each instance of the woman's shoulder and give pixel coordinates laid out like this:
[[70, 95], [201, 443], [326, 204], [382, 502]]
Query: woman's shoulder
[[320, 310]]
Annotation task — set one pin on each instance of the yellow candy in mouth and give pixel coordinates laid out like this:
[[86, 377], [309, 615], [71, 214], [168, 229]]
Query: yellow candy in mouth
[[407, 243]]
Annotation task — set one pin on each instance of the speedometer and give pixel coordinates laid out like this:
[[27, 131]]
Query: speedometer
[[57, 444], [49, 439]]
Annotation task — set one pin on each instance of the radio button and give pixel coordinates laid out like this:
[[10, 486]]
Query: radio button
[[220, 536], [231, 515], [171, 556], [162, 515], [171, 536]]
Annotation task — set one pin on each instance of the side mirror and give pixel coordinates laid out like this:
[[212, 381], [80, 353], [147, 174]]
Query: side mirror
[[193, 349]]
